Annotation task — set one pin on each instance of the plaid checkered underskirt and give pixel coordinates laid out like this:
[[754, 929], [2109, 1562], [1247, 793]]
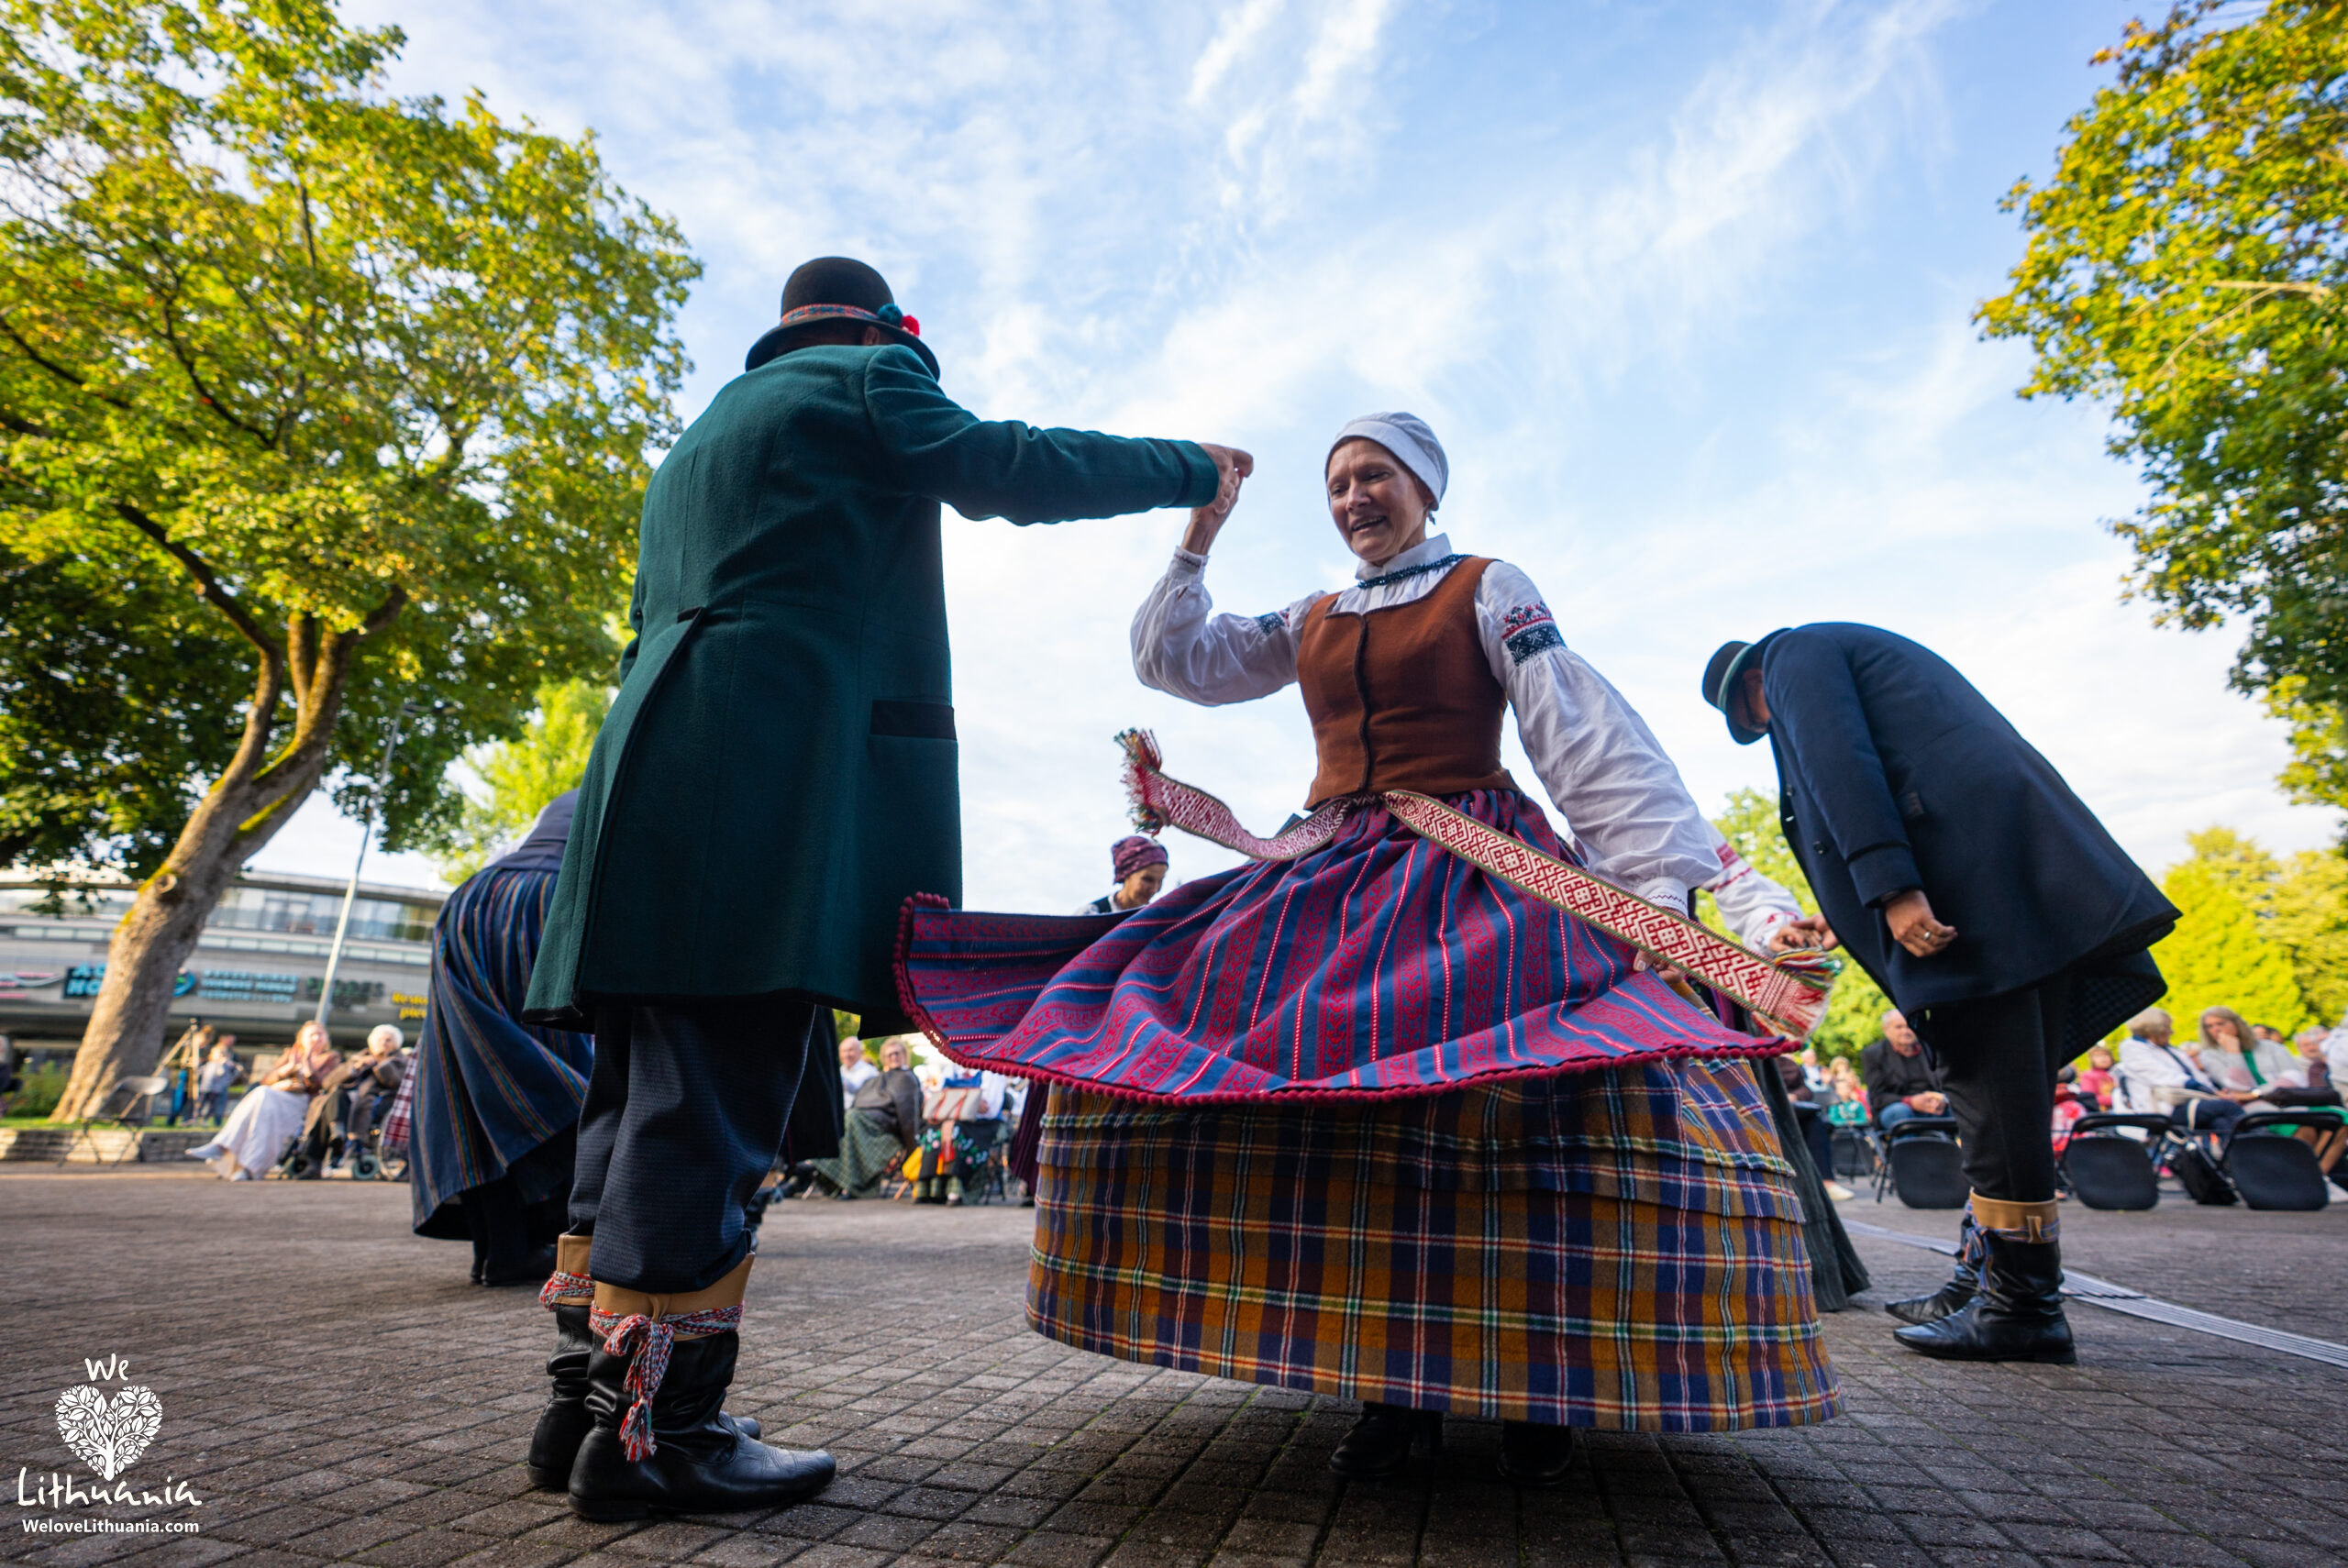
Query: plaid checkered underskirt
[[1631, 1289]]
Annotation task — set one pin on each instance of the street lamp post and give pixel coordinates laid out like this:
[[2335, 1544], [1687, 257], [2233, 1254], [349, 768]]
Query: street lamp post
[[350, 893]]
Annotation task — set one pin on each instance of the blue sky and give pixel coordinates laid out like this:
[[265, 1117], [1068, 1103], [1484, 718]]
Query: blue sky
[[1685, 289]]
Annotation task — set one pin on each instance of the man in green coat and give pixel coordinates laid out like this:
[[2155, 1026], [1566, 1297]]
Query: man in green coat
[[776, 778]]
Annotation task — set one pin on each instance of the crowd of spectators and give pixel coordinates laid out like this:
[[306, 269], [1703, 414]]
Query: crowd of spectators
[[2228, 1069], [310, 1098], [919, 1129]]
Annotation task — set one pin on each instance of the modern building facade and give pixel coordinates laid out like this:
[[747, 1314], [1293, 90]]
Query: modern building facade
[[257, 969]]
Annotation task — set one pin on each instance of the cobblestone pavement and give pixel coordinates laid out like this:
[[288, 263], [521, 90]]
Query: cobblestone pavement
[[333, 1390]]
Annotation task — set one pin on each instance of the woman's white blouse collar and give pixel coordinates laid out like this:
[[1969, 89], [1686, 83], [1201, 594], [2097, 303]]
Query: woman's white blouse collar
[[1437, 545]]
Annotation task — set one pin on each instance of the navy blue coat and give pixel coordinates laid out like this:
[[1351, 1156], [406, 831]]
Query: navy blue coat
[[1895, 773]]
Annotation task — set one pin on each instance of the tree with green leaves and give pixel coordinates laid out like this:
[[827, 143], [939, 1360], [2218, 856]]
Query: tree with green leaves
[[2218, 956], [2298, 905], [118, 699], [521, 777], [2188, 263], [372, 380], [1748, 819]]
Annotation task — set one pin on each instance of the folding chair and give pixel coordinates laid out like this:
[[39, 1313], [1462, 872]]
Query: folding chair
[[1922, 1164], [127, 1106], [2275, 1170], [2105, 1169]]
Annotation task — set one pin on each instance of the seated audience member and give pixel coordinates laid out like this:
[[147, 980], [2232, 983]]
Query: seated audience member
[[2231, 1056], [216, 1079], [1814, 1073], [1902, 1081], [962, 1122], [1817, 1131], [269, 1117], [1849, 1106], [2156, 1070], [855, 1071], [2313, 1066], [352, 1098], [884, 1126], [2095, 1080]]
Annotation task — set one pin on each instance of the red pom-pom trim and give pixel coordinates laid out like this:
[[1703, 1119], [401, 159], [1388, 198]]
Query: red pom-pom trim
[[911, 325]]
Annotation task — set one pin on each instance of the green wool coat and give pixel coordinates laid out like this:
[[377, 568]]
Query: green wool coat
[[778, 773]]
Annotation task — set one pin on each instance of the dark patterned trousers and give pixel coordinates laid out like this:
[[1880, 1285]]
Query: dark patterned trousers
[[685, 1113]]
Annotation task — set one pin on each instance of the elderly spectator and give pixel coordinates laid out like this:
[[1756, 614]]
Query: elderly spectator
[[884, 1126], [855, 1071], [255, 1134], [2175, 1085], [1137, 866], [1902, 1081], [2096, 1079], [215, 1077], [349, 1097]]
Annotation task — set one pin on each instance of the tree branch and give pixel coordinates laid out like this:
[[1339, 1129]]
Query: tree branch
[[207, 582], [53, 368]]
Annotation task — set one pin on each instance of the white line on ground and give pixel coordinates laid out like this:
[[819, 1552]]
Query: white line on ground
[[2136, 1304]]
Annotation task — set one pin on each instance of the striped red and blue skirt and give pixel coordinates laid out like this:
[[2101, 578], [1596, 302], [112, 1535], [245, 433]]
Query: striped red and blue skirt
[[1373, 1124]]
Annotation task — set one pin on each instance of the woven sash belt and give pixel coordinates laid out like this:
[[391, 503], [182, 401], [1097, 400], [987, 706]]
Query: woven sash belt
[[1788, 995]]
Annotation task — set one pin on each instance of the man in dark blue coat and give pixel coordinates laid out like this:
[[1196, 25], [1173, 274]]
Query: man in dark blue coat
[[1964, 875]]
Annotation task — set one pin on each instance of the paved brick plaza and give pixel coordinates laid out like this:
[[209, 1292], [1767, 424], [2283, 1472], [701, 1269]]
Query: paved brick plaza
[[334, 1390]]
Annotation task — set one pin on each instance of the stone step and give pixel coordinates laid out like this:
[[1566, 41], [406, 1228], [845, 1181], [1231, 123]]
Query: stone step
[[108, 1145]]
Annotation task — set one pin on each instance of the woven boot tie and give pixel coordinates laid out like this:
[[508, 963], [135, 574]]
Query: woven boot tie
[[647, 1340], [569, 1286]]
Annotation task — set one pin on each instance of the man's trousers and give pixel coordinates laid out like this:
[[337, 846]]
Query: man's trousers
[[1999, 1057], [685, 1111]]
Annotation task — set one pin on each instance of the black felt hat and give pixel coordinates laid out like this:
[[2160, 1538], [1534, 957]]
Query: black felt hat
[[1722, 671], [838, 288]]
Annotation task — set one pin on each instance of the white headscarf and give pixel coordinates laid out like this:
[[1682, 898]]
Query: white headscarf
[[1407, 436]]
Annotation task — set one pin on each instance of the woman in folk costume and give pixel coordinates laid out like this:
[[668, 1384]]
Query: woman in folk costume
[[1365, 1119]]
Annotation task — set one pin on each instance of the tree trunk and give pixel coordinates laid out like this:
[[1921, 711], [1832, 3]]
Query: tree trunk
[[239, 814], [127, 1023]]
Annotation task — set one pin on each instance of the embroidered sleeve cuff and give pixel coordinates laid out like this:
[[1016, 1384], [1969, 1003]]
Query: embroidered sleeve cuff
[[1666, 893], [1186, 563]]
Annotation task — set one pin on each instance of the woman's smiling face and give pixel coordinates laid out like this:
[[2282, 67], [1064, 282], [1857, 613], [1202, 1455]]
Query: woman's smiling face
[[1379, 506]]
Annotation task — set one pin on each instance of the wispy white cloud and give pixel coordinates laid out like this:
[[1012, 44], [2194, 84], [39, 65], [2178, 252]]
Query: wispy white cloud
[[1667, 304]]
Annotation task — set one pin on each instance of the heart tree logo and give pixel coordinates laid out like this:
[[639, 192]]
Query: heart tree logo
[[109, 1434]]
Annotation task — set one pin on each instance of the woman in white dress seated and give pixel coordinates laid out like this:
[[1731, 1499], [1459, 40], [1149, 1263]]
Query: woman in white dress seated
[[270, 1115]]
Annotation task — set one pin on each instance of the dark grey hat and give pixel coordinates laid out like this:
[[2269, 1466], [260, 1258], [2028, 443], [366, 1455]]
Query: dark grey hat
[[838, 288], [1723, 672]]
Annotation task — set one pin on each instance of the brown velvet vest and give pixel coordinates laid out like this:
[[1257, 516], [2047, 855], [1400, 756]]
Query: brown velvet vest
[[1401, 697]]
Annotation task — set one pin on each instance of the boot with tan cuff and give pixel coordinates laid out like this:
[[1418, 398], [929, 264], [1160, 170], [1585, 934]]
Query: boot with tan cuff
[[660, 1441], [2017, 1315], [562, 1425]]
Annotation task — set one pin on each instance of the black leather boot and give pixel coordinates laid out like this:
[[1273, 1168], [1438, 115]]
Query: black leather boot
[[1378, 1446], [563, 1424], [2017, 1315], [699, 1462], [1533, 1453], [1959, 1290]]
